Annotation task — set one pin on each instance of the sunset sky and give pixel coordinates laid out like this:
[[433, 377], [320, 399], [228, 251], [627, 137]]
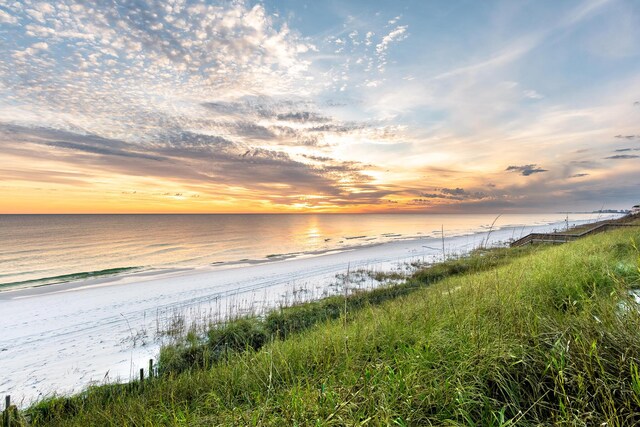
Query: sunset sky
[[319, 106]]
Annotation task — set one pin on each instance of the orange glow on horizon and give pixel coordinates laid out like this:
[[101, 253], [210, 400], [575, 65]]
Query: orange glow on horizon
[[46, 199]]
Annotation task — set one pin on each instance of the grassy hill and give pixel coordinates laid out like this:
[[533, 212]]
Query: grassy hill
[[542, 335]]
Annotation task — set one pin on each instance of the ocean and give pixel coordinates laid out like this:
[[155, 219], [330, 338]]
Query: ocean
[[45, 249]]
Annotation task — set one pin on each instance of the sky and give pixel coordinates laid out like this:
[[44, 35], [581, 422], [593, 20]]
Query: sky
[[453, 106]]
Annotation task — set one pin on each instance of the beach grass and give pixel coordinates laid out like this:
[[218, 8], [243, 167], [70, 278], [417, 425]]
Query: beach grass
[[546, 335]]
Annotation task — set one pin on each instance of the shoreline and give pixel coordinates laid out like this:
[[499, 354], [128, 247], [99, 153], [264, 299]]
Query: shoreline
[[119, 273], [62, 338]]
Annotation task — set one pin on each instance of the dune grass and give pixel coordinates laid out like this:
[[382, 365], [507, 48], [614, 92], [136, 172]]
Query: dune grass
[[251, 333], [541, 336]]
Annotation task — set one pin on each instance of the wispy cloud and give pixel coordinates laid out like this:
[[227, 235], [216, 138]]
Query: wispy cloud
[[622, 157], [397, 34], [526, 170], [453, 194]]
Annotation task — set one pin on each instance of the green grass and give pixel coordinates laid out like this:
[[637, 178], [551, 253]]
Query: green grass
[[538, 336], [252, 333]]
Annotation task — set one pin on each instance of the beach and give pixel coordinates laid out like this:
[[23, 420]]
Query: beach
[[60, 338]]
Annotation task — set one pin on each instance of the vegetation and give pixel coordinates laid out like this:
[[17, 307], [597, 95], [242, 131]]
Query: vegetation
[[535, 336], [252, 333]]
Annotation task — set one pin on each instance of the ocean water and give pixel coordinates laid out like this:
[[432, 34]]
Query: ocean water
[[42, 249]]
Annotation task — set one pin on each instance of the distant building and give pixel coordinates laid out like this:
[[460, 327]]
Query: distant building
[[635, 210]]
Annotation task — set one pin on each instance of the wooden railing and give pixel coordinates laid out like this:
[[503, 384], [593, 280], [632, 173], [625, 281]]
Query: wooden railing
[[564, 237]]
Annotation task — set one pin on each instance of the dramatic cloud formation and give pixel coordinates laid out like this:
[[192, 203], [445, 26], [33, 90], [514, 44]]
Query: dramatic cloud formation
[[238, 106]]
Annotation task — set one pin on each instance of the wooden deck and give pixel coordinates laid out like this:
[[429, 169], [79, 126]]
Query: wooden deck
[[567, 237]]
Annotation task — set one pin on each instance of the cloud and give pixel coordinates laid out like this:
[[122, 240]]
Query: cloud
[[303, 117], [196, 159], [532, 94], [262, 107], [253, 131], [622, 150], [396, 35], [40, 46], [526, 170], [451, 194], [622, 157], [86, 143], [6, 18], [101, 150], [368, 38], [579, 175], [338, 127], [317, 158], [453, 191], [116, 67], [279, 121]]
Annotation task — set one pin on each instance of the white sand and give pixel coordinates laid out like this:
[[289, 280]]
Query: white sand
[[61, 338]]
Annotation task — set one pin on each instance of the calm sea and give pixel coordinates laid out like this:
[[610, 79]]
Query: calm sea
[[41, 249]]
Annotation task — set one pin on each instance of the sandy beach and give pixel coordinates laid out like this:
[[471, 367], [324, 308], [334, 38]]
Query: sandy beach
[[61, 338]]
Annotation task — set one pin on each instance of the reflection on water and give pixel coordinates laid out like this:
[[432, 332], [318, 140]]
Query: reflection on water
[[38, 246]]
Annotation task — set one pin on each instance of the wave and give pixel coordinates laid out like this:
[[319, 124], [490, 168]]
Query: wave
[[66, 278], [354, 237]]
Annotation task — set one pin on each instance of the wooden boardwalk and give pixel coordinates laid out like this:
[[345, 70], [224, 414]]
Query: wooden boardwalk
[[567, 237]]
